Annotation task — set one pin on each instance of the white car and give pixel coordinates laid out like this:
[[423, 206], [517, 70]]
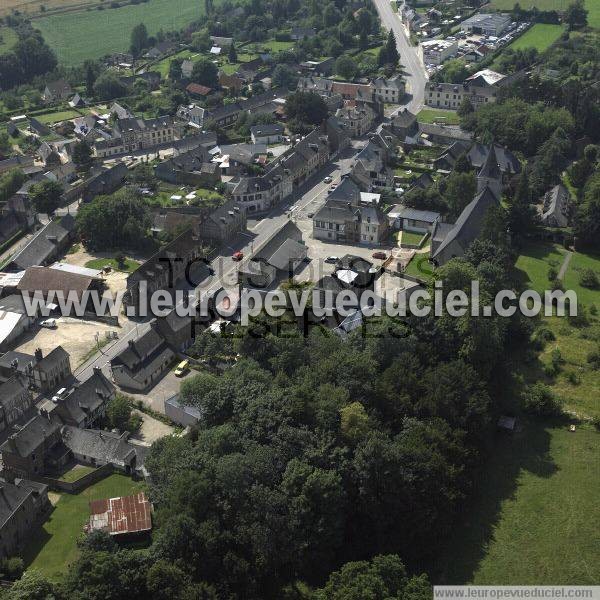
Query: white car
[[48, 323], [331, 260], [327, 179]]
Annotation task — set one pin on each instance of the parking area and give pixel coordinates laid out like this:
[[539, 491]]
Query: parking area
[[76, 336]]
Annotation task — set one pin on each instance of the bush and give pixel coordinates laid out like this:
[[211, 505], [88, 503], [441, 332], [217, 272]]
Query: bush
[[593, 359], [573, 378], [596, 423], [588, 278], [13, 567], [545, 334], [552, 274], [538, 399]]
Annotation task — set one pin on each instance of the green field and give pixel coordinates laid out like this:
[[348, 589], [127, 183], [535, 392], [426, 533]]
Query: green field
[[577, 383], [55, 117], [56, 544], [593, 7], [540, 36], [431, 115], [77, 36], [534, 515], [8, 38]]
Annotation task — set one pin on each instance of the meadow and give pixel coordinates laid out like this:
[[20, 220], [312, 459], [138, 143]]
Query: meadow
[[8, 38], [593, 7], [540, 37], [77, 36]]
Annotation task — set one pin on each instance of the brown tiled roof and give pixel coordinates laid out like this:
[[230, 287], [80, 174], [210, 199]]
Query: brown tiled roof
[[126, 514], [44, 279], [196, 88]]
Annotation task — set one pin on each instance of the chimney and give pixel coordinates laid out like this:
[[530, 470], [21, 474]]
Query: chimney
[[38, 354]]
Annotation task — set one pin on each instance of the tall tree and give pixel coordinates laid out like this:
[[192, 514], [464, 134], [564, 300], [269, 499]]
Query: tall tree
[[205, 72], [576, 15], [232, 54], [46, 196], [391, 49], [139, 40]]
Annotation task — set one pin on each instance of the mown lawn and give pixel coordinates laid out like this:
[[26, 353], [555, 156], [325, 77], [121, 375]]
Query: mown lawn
[[77, 472], [534, 262], [420, 267], [540, 37], [55, 546], [534, 514], [432, 115], [410, 238], [578, 263], [129, 265], [77, 36], [56, 117]]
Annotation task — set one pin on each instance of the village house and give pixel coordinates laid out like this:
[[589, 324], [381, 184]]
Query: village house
[[223, 224], [192, 114], [57, 91], [190, 168], [14, 320], [266, 134], [357, 119], [23, 505], [390, 91], [145, 360], [479, 89], [555, 208], [51, 371], [15, 400], [435, 52], [370, 170]]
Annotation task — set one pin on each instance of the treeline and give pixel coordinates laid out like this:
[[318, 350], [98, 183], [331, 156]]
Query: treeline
[[29, 57]]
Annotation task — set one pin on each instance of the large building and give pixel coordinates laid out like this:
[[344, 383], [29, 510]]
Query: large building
[[486, 23], [435, 52], [480, 89]]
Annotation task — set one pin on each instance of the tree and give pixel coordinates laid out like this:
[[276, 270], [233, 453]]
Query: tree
[[139, 40], [576, 15], [306, 107], [32, 586], [10, 182], [175, 69], [232, 54], [108, 86], [5, 144], [90, 77], [201, 41], [354, 421], [382, 578], [284, 76], [46, 196], [345, 67], [205, 72], [82, 155], [459, 189], [391, 49], [465, 108]]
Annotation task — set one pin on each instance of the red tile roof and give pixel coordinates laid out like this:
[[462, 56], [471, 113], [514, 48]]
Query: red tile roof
[[200, 90], [127, 514]]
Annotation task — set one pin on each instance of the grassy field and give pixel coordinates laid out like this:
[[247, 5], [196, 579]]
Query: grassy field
[[77, 36], [8, 38], [431, 115], [56, 544], [420, 267], [77, 472], [410, 238], [534, 515], [540, 36], [577, 383], [55, 117], [593, 7], [99, 263]]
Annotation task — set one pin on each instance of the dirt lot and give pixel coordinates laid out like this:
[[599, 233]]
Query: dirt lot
[[77, 337], [33, 6]]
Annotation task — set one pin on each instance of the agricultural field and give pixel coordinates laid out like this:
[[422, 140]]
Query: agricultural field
[[77, 36], [32, 7], [593, 7], [56, 544], [540, 36], [8, 38], [534, 513]]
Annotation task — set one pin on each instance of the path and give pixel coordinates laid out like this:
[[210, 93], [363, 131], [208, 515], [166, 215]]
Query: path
[[565, 265]]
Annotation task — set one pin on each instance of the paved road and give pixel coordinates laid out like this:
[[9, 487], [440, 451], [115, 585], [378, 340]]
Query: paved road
[[409, 57]]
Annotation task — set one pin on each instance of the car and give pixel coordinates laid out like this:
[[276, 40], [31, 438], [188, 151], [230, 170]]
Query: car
[[331, 260], [328, 179], [182, 367], [310, 215], [332, 187], [380, 255], [237, 256], [48, 323]]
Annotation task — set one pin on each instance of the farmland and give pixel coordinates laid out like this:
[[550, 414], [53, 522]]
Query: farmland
[[77, 36], [593, 6], [540, 37]]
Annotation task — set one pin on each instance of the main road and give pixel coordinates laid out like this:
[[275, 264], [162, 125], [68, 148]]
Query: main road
[[416, 75]]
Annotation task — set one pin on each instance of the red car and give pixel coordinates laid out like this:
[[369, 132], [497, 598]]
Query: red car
[[237, 255], [380, 255]]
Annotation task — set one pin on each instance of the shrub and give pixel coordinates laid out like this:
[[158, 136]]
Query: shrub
[[596, 423], [552, 274], [573, 378], [588, 278], [538, 399], [545, 334], [593, 359]]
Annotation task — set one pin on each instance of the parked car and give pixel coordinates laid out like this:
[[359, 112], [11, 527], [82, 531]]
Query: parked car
[[182, 367], [380, 255], [332, 187], [331, 260], [310, 215], [48, 323], [237, 256], [328, 179]]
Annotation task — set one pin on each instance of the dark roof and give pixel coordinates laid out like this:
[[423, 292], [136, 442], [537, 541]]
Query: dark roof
[[266, 130], [506, 160], [490, 167], [44, 279], [29, 437], [468, 224], [57, 356], [22, 359], [12, 498], [104, 446], [13, 388], [44, 243]]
